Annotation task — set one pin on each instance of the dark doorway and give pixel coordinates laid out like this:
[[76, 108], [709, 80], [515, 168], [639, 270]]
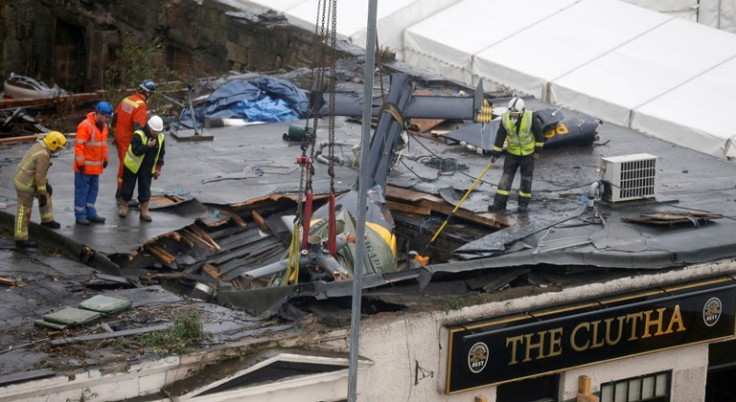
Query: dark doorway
[[540, 389], [721, 372]]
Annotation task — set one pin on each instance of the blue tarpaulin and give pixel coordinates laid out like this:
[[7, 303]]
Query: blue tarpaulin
[[260, 99]]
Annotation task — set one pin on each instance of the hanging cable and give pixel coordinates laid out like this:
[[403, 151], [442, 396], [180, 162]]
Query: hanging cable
[[332, 219], [305, 197]]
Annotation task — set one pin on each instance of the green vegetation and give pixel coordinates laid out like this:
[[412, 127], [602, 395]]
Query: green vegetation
[[186, 331], [132, 64], [87, 395], [459, 302]]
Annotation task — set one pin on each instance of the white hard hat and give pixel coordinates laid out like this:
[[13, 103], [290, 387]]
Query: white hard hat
[[516, 105], [156, 124]]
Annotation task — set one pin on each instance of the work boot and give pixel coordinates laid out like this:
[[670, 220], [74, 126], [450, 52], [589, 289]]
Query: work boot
[[523, 205], [96, 219], [25, 244], [497, 206], [122, 208], [51, 224], [145, 216]]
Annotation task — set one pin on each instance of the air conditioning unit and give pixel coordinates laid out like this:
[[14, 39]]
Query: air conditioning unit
[[629, 177]]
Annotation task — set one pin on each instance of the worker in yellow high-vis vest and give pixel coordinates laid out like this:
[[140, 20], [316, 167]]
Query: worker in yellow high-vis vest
[[525, 142], [143, 161], [31, 181]]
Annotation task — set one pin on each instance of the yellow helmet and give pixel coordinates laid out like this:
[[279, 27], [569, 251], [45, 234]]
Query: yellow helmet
[[54, 140]]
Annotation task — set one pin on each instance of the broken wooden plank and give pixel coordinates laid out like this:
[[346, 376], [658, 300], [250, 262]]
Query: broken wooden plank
[[211, 270], [181, 239], [204, 236], [438, 204], [213, 220], [196, 239], [116, 334], [25, 138], [74, 99], [7, 281], [404, 194], [235, 217], [160, 254], [258, 219], [164, 201], [411, 209]]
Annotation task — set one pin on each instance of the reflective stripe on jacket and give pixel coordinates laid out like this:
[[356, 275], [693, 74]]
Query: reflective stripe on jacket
[[131, 109], [133, 162], [521, 142], [90, 146], [32, 173]]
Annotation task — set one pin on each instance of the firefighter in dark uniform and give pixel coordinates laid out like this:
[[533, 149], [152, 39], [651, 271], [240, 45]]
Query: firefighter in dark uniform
[[525, 142]]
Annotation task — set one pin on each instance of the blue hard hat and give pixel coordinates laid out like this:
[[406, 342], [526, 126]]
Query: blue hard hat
[[104, 108], [148, 86]]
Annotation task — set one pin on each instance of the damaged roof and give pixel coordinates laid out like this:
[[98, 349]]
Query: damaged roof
[[224, 207]]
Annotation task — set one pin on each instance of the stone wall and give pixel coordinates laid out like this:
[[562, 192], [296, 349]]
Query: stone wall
[[72, 42]]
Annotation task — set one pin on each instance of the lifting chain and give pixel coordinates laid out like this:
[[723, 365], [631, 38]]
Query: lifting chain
[[332, 87]]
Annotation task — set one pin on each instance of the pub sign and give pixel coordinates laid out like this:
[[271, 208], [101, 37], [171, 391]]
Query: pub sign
[[528, 345]]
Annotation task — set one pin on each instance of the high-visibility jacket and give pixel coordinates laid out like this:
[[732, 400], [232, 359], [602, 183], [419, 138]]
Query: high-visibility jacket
[[132, 109], [32, 172], [524, 138], [134, 161], [90, 146]]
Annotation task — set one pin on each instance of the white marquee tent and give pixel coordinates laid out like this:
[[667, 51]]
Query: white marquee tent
[[393, 17], [561, 43], [663, 75]]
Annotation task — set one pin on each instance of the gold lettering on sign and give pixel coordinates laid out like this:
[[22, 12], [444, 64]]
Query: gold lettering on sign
[[539, 345], [555, 342], [573, 342], [676, 319], [536, 345], [595, 334], [650, 322], [514, 342], [610, 341], [597, 340], [632, 319]]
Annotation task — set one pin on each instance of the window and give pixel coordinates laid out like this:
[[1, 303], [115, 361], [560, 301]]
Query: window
[[647, 388]]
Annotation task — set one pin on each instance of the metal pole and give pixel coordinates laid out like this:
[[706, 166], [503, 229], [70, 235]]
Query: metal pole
[[359, 264]]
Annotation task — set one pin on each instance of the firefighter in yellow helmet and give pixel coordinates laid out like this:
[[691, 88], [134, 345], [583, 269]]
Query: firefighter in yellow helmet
[[31, 181]]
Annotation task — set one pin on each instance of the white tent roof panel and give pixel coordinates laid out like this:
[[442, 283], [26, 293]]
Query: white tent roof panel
[[276, 5], [454, 35], [697, 115], [608, 58], [641, 70], [352, 18], [563, 42]]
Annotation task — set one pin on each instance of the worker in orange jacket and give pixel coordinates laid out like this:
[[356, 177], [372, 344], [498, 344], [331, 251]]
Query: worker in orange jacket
[[31, 181], [90, 159], [130, 115]]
